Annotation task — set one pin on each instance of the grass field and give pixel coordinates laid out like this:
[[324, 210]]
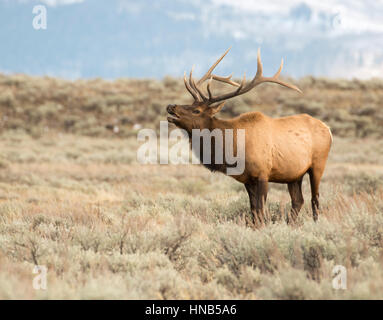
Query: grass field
[[74, 199]]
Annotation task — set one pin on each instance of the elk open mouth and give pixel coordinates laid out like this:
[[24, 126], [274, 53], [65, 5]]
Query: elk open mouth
[[172, 116]]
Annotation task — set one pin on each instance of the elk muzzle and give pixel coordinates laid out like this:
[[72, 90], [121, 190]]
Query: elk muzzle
[[171, 111]]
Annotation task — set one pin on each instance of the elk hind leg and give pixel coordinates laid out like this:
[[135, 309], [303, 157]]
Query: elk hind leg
[[315, 176], [295, 190]]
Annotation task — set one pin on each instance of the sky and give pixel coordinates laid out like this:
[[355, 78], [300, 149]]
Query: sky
[[151, 39]]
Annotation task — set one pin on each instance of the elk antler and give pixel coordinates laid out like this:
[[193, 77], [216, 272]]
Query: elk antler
[[194, 88], [199, 96]]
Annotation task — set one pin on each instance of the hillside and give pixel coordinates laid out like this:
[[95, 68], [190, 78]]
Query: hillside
[[95, 107]]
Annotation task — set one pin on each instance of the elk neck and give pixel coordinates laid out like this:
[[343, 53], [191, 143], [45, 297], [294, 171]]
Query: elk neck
[[211, 125], [222, 124]]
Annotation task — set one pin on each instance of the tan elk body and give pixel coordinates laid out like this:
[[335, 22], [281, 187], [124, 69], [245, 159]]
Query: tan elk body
[[280, 150]]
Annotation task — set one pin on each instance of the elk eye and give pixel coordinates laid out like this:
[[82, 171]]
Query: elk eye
[[196, 111]]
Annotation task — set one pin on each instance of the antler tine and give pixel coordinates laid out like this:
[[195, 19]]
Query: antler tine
[[243, 81], [276, 75], [226, 80], [208, 89], [259, 65], [191, 81], [195, 87], [282, 83], [190, 89], [288, 85], [208, 73]]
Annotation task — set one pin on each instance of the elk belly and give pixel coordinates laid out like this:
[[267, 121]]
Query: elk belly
[[291, 160]]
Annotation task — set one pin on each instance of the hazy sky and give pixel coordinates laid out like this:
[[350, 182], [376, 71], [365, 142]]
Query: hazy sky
[[116, 38]]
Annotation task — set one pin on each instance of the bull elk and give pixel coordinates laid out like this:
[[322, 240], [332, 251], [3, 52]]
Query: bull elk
[[280, 150]]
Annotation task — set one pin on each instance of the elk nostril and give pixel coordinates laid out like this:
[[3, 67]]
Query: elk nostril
[[170, 107]]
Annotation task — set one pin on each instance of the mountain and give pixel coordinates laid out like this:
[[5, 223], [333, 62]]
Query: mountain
[[115, 38]]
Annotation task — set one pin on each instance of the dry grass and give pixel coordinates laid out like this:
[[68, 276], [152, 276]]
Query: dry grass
[[108, 227]]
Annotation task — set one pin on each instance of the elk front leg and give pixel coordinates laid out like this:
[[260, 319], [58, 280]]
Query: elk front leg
[[257, 191], [252, 192], [261, 199], [295, 190]]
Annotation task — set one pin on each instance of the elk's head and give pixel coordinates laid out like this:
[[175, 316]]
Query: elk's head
[[205, 106], [195, 116]]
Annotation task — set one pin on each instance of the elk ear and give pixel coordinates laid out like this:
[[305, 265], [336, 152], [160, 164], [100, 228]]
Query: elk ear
[[216, 108]]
